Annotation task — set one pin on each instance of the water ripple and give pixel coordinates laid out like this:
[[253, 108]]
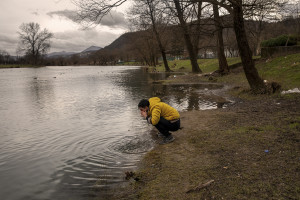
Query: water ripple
[[132, 145], [73, 137]]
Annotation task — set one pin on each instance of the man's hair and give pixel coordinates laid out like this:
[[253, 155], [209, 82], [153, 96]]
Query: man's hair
[[143, 103]]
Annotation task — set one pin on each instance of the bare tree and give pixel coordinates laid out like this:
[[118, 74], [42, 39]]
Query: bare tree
[[223, 65], [230, 43], [150, 15], [34, 42], [291, 10], [178, 9], [239, 10], [195, 13], [236, 9], [4, 57], [259, 13], [256, 83], [144, 47], [91, 12]]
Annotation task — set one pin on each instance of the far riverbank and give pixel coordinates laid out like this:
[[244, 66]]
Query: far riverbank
[[18, 66]]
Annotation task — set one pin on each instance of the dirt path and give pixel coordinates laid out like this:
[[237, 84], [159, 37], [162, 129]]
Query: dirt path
[[249, 150]]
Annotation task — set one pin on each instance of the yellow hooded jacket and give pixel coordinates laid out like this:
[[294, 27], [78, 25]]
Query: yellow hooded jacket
[[159, 109]]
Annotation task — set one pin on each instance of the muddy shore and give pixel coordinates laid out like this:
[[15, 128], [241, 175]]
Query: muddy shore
[[249, 150]]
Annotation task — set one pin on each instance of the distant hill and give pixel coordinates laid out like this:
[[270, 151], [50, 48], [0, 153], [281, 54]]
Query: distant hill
[[91, 49], [124, 40], [60, 54], [68, 54]]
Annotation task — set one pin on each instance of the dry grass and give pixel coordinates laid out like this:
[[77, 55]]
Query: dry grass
[[251, 151]]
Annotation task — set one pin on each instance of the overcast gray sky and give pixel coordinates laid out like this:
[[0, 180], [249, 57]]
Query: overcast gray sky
[[56, 16]]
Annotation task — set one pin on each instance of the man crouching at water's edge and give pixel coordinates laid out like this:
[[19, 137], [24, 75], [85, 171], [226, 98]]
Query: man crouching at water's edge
[[164, 117]]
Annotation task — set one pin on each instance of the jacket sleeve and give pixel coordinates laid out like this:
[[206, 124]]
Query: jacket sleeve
[[155, 116]]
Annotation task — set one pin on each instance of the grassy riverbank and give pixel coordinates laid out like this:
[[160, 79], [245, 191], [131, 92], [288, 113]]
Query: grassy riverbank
[[206, 65], [249, 150], [284, 70]]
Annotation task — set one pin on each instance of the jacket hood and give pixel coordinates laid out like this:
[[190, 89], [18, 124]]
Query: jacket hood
[[158, 109], [153, 101]]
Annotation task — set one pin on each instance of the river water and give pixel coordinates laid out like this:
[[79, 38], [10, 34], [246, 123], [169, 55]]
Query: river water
[[72, 132]]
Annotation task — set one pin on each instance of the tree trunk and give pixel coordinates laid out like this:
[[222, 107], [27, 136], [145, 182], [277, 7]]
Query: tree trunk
[[152, 11], [258, 48], [223, 65], [256, 83], [198, 28], [161, 48], [153, 59], [187, 38], [259, 38]]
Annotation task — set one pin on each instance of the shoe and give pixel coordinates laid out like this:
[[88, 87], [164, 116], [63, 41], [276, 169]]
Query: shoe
[[160, 135], [168, 139]]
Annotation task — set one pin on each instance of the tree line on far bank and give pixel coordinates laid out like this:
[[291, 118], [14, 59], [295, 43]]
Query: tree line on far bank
[[196, 21], [185, 28], [34, 43], [141, 47]]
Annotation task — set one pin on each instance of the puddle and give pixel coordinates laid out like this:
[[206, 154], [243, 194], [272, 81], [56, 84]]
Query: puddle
[[201, 96]]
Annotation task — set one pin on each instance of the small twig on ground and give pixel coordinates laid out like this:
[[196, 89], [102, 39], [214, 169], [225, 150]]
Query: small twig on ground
[[199, 187]]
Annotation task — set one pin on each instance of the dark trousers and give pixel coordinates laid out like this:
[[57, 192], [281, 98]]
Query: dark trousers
[[164, 126]]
